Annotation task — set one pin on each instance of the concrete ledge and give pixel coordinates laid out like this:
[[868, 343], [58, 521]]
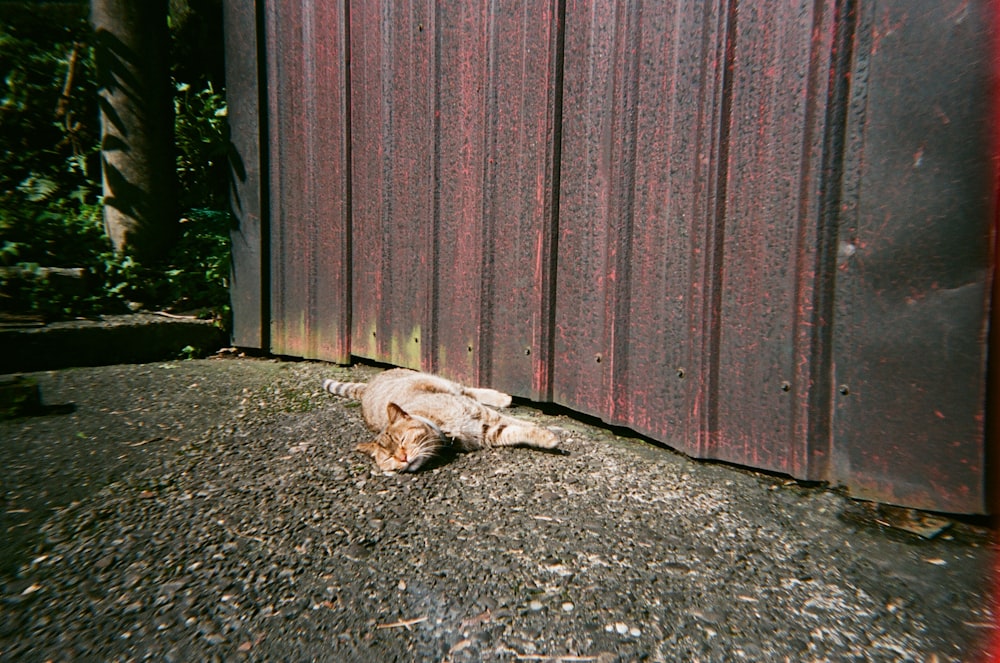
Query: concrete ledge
[[113, 339]]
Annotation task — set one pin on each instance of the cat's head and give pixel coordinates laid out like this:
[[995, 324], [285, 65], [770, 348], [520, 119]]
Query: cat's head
[[404, 445]]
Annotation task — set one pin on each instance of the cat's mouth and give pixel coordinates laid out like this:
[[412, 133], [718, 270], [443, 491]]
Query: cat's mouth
[[416, 458]]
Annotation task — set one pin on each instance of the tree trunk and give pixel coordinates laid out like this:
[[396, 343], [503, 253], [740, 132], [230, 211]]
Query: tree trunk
[[137, 126]]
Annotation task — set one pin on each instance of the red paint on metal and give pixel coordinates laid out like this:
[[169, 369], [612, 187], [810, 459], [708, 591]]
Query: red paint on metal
[[518, 189], [461, 154], [686, 257], [453, 147], [392, 124], [769, 235], [310, 237], [639, 140]]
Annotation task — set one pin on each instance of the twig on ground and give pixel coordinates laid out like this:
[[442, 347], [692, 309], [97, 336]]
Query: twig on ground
[[406, 623]]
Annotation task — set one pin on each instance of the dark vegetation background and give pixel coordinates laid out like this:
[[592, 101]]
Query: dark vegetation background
[[55, 259]]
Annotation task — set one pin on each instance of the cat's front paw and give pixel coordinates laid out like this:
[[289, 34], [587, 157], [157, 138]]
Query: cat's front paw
[[491, 397], [546, 439], [502, 400]]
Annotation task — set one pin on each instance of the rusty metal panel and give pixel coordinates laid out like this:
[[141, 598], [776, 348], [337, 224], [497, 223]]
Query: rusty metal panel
[[521, 117], [914, 259], [392, 124], [693, 136], [248, 284], [461, 155], [768, 234], [641, 110], [453, 121], [309, 191]]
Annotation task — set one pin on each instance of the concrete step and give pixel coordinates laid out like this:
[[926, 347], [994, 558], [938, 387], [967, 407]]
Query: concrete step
[[112, 339]]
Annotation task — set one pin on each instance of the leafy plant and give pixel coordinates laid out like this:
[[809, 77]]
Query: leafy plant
[[48, 108], [201, 133], [50, 207]]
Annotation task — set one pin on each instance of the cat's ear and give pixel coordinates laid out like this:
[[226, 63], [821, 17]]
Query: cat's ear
[[366, 448], [395, 412]]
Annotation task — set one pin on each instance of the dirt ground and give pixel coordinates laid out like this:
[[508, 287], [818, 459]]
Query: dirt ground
[[215, 510]]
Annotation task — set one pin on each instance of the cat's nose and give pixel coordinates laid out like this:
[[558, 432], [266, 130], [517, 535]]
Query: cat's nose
[[401, 456]]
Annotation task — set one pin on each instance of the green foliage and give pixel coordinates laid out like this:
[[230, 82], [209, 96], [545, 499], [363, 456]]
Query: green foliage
[[48, 110], [49, 143], [50, 208], [193, 279], [201, 133]]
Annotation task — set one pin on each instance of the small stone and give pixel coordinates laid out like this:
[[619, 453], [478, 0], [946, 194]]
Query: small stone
[[535, 605], [567, 607], [621, 628]]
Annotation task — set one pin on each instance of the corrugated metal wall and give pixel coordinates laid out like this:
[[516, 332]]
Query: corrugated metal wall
[[452, 124], [692, 172], [757, 232]]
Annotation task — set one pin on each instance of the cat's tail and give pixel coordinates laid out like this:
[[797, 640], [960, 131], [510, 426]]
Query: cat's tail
[[345, 389]]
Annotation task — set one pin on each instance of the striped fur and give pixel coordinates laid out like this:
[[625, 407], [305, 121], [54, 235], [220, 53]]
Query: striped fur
[[417, 414], [353, 390]]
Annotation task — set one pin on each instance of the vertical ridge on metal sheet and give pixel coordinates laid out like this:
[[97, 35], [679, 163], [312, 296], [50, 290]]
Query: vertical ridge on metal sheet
[[819, 331], [520, 122], [310, 216], [914, 262], [585, 200], [453, 120], [487, 284], [279, 77], [248, 276], [779, 86], [674, 128], [393, 189], [639, 127], [366, 184], [460, 149], [706, 414], [629, 24]]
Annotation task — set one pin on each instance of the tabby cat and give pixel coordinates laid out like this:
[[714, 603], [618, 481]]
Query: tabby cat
[[418, 414]]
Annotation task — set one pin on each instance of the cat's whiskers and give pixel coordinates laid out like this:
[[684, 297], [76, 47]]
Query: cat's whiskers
[[442, 436], [425, 448]]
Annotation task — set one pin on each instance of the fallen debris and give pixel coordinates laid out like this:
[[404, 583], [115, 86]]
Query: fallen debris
[[406, 623], [921, 523]]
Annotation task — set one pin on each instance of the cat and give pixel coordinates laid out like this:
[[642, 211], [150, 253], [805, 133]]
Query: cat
[[416, 415]]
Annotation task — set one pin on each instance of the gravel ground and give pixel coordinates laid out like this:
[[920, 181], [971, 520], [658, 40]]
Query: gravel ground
[[215, 510]]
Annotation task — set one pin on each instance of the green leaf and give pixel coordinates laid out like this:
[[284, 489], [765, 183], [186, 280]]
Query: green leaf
[[38, 189]]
